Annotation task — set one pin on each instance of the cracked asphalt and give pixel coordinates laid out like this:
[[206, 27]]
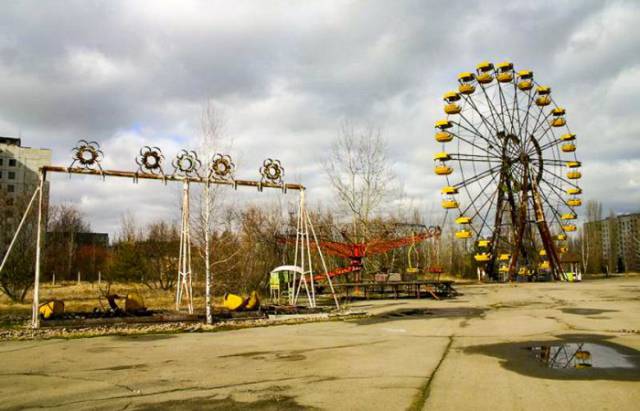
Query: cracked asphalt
[[473, 352]]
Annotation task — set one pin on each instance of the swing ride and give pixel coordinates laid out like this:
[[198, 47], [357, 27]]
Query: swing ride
[[509, 162]]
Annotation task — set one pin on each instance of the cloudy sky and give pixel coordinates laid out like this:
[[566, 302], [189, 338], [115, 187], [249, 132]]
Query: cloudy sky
[[287, 73]]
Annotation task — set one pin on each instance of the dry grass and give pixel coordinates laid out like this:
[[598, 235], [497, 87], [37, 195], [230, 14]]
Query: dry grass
[[88, 296]]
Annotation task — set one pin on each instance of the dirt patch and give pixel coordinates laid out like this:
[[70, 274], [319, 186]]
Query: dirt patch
[[423, 313], [277, 402], [587, 311]]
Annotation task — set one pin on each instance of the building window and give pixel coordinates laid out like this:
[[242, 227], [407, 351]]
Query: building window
[[0, 174], [12, 162], [1, 161], [12, 175], [11, 188]]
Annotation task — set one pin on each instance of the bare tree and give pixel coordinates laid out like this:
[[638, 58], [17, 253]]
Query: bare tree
[[360, 173], [212, 138]]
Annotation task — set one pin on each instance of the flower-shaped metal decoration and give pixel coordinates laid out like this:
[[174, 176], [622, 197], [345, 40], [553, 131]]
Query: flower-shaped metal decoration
[[272, 171], [186, 164], [150, 160], [221, 167], [87, 154]]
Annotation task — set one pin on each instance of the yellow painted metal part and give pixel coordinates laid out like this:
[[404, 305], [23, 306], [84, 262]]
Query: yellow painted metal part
[[443, 137], [253, 302], [525, 85], [466, 76], [543, 90], [232, 302], [569, 227], [574, 191], [568, 216], [545, 265], [451, 96], [442, 156], [563, 250], [504, 257], [558, 111], [568, 137], [574, 175], [561, 237], [452, 108], [558, 122], [449, 190], [482, 257], [543, 252], [505, 66], [463, 234], [503, 269], [466, 88], [463, 220], [449, 204], [484, 78], [573, 164], [505, 77], [484, 243], [574, 202], [443, 170], [543, 101], [568, 147], [51, 309], [443, 124], [484, 66], [525, 74]]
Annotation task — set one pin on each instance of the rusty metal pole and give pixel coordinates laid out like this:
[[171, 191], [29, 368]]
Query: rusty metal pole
[[35, 315]]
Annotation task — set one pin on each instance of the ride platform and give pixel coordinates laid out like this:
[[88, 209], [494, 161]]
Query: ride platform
[[408, 289]]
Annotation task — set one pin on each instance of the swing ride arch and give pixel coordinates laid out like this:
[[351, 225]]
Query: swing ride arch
[[219, 170]]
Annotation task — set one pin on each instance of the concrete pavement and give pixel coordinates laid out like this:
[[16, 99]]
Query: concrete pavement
[[467, 353]]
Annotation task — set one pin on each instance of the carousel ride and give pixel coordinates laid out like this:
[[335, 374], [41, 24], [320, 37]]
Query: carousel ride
[[511, 171]]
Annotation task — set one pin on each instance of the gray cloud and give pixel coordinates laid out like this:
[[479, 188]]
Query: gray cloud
[[287, 73]]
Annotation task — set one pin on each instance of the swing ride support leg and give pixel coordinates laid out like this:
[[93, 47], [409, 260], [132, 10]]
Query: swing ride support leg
[[35, 317], [207, 257]]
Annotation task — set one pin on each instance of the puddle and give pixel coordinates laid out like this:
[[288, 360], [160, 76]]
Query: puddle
[[579, 355], [571, 357]]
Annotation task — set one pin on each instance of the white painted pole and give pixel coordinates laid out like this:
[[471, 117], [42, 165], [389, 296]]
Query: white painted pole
[[78, 277], [324, 264], [99, 277], [35, 317], [15, 236], [207, 262], [53, 279]]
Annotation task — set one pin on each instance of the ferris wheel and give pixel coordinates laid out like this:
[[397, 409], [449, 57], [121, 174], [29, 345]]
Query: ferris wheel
[[508, 157]]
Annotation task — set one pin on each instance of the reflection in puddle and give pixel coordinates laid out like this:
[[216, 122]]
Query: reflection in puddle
[[580, 355]]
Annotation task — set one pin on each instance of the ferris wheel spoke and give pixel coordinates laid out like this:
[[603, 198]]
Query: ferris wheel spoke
[[560, 178], [475, 199], [457, 135], [525, 122], [561, 199], [475, 132], [554, 212], [516, 107], [485, 218], [486, 123], [505, 106], [477, 177], [492, 108]]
